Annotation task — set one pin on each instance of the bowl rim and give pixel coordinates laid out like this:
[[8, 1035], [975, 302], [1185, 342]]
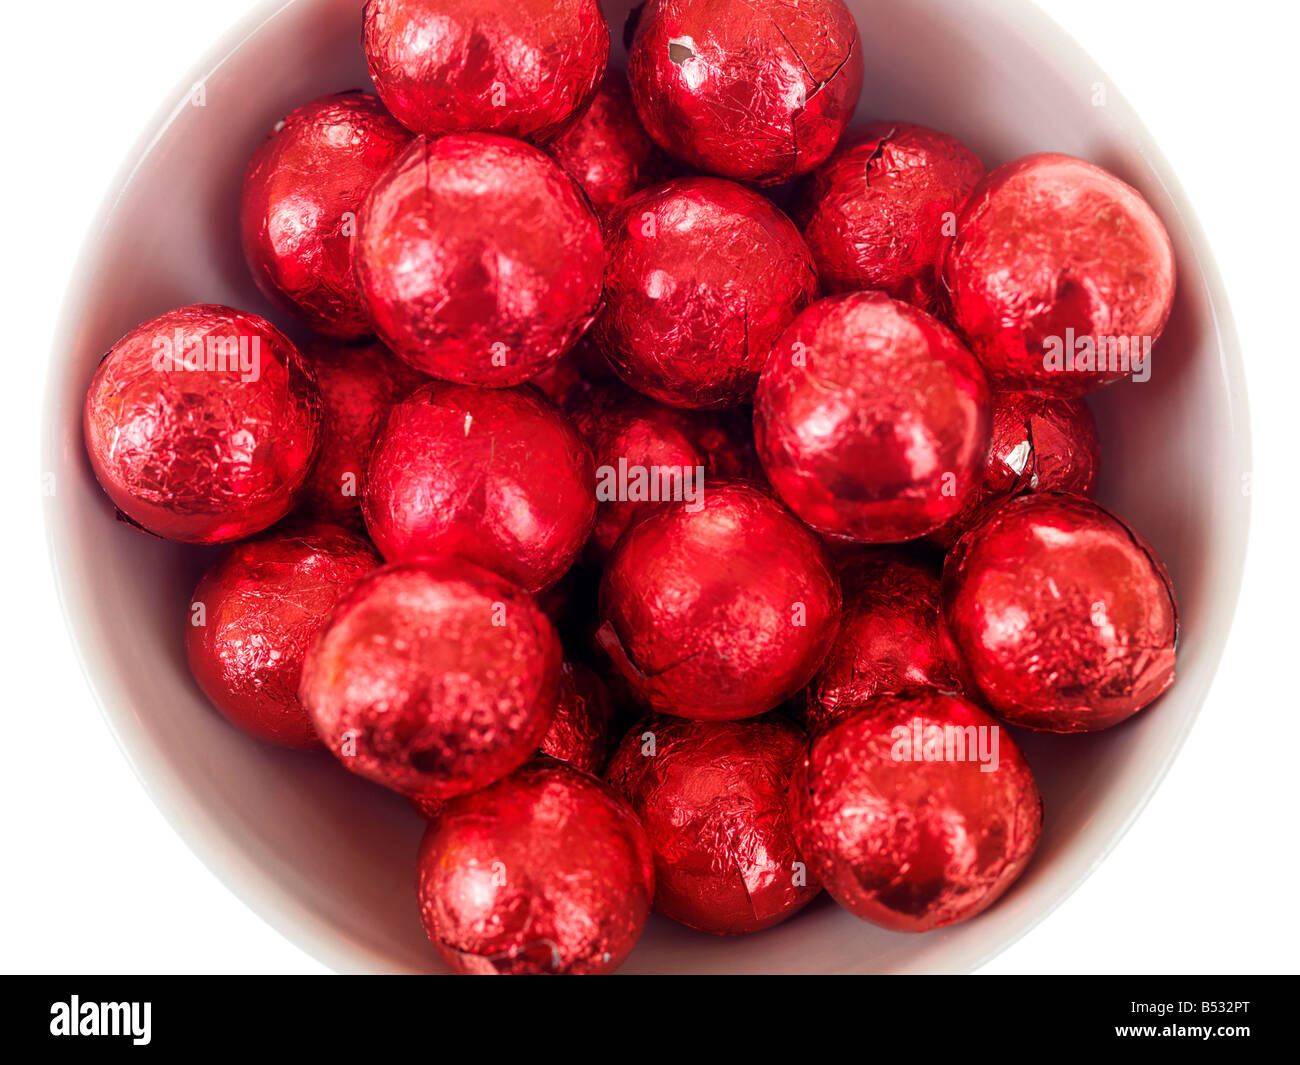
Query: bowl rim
[[190, 816]]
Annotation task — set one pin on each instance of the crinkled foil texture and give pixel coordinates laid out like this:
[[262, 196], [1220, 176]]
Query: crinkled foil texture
[[756, 90], [703, 276], [721, 613], [359, 383], [888, 639], [623, 426], [913, 845], [498, 477], [522, 68], [1050, 246], [872, 420], [202, 455], [298, 209], [434, 678], [254, 615], [1040, 444], [712, 798], [606, 149], [875, 213], [546, 872], [480, 258], [1063, 616], [584, 717]]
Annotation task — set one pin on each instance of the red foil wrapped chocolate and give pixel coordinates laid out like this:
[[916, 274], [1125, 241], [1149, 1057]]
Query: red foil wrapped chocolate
[[519, 67], [872, 420], [298, 211], [647, 454], [433, 678], [703, 276], [607, 150], [1061, 276], [720, 612], [916, 811], [359, 384], [480, 259], [878, 213], [888, 639], [497, 477], [712, 798], [545, 873], [1040, 444], [580, 731], [756, 90], [254, 615], [1063, 616], [202, 424]]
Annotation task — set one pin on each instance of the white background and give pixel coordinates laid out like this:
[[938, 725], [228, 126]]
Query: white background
[[95, 880]]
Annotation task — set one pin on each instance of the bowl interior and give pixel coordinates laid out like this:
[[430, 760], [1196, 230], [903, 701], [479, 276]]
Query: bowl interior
[[328, 858]]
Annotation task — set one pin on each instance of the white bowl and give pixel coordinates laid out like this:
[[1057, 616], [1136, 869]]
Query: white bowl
[[328, 859]]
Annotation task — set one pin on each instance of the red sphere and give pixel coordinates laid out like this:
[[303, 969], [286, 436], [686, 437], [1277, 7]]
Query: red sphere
[[1060, 277], [888, 639], [1063, 616], [497, 477], [647, 454], [877, 213], [298, 212], [910, 815], [254, 615], [721, 612], [1040, 444], [359, 384], [607, 150], [433, 678], [545, 872], [703, 276], [756, 90], [201, 424], [480, 259], [871, 419], [519, 67], [712, 798], [579, 733]]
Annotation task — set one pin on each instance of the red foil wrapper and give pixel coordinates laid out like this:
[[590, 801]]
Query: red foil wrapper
[[888, 639], [433, 678], [254, 615], [1040, 444], [910, 815], [201, 424], [648, 454], [1061, 277], [871, 419], [298, 211], [607, 150], [722, 612], [877, 213], [1063, 616], [580, 731], [359, 384], [703, 276], [426, 806], [497, 477], [756, 90], [545, 873], [480, 259], [519, 67], [712, 798]]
